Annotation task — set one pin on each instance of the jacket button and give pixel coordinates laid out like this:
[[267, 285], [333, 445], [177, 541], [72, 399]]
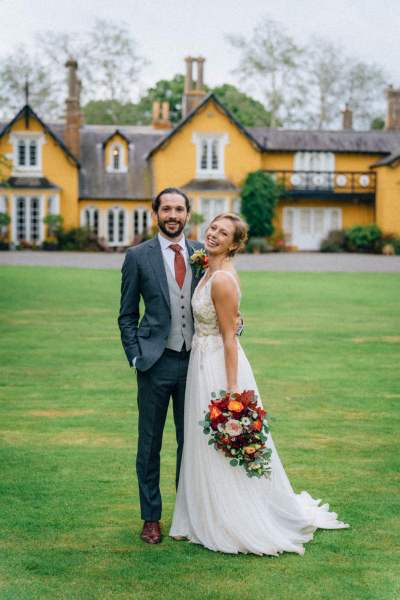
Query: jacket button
[[183, 325]]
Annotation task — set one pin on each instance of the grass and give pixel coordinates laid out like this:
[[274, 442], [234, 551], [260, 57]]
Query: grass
[[325, 350]]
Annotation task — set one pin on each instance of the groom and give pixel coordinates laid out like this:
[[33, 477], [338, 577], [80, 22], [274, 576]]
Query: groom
[[159, 346]]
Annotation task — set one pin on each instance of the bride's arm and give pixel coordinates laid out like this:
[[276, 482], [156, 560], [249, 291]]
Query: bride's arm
[[225, 298]]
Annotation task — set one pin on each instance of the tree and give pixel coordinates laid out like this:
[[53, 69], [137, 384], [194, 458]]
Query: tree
[[112, 112], [109, 66], [308, 85], [260, 194], [334, 77], [248, 111], [170, 90], [271, 60], [15, 70]]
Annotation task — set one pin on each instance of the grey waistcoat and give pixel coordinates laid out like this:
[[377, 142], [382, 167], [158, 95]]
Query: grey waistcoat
[[181, 313]]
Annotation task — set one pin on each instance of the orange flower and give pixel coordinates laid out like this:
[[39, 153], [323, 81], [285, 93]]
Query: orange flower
[[257, 425], [249, 449], [215, 413], [235, 406]]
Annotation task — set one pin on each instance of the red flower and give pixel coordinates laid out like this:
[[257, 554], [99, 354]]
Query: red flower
[[257, 425]]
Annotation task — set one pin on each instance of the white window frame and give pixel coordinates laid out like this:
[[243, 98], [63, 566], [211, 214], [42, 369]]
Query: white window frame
[[27, 137], [116, 211], [92, 210], [141, 211], [123, 159], [28, 201], [207, 217], [53, 204], [209, 138]]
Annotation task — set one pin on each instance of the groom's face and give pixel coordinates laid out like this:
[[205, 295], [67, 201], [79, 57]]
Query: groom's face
[[172, 215]]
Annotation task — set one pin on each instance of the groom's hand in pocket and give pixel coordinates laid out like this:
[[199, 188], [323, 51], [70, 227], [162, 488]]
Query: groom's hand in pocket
[[239, 324]]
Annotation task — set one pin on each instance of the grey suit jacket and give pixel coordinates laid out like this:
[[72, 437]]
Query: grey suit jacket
[[143, 275]]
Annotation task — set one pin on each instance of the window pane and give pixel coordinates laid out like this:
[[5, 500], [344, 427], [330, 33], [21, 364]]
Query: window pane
[[135, 222], [214, 155], [95, 222], [305, 220], [110, 226], [318, 220], [116, 159], [35, 223], [33, 154], [145, 220], [204, 155], [121, 224], [21, 153], [21, 219], [87, 218]]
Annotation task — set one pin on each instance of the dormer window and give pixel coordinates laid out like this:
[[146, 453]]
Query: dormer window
[[210, 154], [116, 158], [117, 148]]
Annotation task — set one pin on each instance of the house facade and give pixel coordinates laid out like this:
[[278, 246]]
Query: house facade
[[104, 177]]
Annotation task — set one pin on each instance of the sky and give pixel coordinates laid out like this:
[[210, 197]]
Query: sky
[[168, 30]]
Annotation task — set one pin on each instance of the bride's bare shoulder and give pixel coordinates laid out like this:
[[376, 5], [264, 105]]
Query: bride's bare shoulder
[[225, 279]]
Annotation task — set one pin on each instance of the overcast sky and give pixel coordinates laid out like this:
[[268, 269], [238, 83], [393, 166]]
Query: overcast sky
[[169, 30]]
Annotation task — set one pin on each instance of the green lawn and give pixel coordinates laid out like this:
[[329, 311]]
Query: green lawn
[[325, 350]]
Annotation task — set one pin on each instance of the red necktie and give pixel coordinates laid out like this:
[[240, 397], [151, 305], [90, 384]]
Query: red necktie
[[179, 264]]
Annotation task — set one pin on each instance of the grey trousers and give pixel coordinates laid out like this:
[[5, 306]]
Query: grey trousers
[[164, 380]]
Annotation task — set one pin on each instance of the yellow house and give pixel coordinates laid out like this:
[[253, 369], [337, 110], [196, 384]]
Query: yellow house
[[104, 177]]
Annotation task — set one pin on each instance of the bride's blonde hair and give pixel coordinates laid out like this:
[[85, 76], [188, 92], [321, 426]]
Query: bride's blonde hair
[[240, 232]]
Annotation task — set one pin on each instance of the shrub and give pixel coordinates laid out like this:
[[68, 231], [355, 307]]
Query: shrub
[[257, 245], [364, 238], [260, 195], [334, 242], [277, 242], [77, 238]]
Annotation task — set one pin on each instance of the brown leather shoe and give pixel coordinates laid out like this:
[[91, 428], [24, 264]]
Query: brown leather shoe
[[151, 532]]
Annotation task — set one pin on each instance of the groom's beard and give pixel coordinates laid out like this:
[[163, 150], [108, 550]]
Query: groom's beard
[[172, 234]]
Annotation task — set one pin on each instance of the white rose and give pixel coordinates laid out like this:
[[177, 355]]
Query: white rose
[[233, 428]]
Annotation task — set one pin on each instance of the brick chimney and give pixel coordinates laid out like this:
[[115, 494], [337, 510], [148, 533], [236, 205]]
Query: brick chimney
[[74, 117], [194, 91], [160, 118], [347, 117], [393, 109]]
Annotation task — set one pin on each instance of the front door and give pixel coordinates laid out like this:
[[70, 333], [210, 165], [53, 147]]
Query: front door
[[306, 227]]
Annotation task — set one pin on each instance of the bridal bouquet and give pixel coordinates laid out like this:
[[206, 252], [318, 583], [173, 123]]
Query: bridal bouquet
[[238, 427]]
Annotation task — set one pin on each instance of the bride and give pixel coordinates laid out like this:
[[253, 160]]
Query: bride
[[218, 505]]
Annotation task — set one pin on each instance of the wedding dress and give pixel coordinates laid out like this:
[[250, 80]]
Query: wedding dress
[[218, 505]]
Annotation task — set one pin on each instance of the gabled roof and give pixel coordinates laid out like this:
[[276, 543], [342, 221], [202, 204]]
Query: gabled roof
[[388, 160], [317, 140], [116, 132], [27, 112], [193, 113]]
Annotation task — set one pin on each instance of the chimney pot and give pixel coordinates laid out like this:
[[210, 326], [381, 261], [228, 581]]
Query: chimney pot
[[347, 117], [393, 108]]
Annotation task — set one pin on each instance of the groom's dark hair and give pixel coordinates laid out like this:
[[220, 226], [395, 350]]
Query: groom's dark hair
[[170, 190]]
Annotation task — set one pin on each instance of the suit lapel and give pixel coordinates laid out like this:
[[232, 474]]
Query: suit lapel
[[157, 262], [195, 280]]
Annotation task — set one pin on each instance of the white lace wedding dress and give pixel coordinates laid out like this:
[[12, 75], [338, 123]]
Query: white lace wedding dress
[[218, 505]]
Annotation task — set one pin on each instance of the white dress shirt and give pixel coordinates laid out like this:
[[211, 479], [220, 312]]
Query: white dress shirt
[[169, 254]]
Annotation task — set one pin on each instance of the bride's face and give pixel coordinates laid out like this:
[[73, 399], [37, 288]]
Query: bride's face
[[219, 237]]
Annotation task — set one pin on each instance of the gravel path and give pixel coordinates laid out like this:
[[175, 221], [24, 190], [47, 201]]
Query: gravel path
[[293, 261]]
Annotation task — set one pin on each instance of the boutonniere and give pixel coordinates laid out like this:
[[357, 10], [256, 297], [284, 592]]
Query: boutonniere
[[199, 262]]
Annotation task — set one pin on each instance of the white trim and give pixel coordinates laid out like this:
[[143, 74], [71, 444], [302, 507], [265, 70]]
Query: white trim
[[27, 136], [53, 204], [141, 210], [116, 211], [222, 139], [3, 204], [123, 158], [210, 212], [306, 226]]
